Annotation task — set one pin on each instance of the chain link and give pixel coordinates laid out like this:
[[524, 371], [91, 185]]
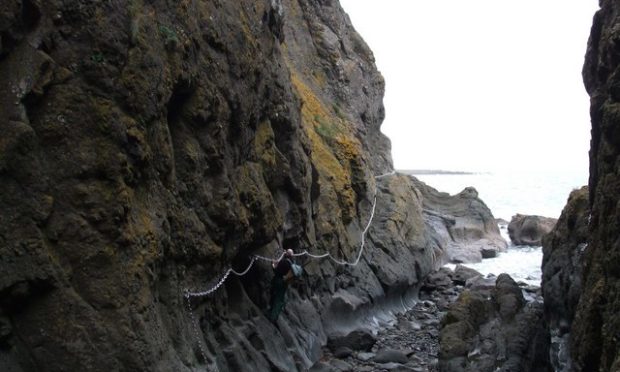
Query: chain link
[[254, 258], [195, 327]]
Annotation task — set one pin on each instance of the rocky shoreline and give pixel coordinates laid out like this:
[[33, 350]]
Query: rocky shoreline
[[413, 341]]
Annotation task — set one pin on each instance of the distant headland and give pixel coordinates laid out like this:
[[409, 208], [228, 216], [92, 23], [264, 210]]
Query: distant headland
[[432, 171]]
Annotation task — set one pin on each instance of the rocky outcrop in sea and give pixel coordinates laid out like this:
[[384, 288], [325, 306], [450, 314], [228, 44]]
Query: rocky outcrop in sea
[[462, 225], [529, 230]]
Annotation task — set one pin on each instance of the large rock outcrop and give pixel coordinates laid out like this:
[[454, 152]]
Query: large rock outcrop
[[461, 225], [492, 329], [148, 146], [595, 344], [562, 266], [529, 230]]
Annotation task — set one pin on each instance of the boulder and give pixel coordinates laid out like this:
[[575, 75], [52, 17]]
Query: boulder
[[529, 230], [491, 328], [343, 352], [356, 340], [462, 225], [365, 356], [463, 273], [391, 356], [438, 280]]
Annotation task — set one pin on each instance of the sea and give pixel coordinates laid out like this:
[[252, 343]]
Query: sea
[[507, 193]]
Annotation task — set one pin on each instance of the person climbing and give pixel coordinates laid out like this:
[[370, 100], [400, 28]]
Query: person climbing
[[279, 283]]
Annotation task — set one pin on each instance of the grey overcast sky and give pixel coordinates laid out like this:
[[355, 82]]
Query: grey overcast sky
[[481, 85]]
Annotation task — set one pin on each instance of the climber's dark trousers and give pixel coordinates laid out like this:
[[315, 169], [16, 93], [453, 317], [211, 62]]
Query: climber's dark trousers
[[278, 297]]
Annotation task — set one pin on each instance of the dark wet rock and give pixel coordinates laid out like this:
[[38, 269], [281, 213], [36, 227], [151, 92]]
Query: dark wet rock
[[490, 328], [5, 329], [480, 283], [343, 352], [366, 368], [508, 297], [392, 366], [463, 273], [529, 230], [562, 267], [356, 340], [340, 365], [321, 366], [488, 252], [391, 355], [440, 279], [146, 149], [596, 325]]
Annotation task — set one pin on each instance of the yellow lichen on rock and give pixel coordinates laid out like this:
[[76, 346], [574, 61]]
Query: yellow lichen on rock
[[329, 147], [263, 144]]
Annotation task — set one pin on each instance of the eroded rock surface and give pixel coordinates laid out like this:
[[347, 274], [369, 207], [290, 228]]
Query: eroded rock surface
[[529, 230], [595, 345], [562, 265], [148, 146], [493, 329], [462, 225]]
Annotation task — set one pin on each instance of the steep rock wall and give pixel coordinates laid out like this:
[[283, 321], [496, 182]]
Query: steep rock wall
[[595, 345], [562, 264], [149, 145]]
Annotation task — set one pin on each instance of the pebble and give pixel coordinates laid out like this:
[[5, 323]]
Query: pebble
[[391, 355], [365, 356], [341, 365], [343, 352]]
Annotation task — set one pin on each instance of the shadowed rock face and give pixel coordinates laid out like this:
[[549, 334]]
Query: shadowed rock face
[[595, 344], [529, 230], [562, 264], [149, 145]]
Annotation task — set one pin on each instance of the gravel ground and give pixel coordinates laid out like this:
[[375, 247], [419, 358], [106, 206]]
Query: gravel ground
[[411, 344]]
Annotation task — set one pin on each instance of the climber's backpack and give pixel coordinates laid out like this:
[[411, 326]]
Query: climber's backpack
[[296, 270]]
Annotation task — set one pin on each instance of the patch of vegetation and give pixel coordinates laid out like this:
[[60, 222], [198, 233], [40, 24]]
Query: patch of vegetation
[[170, 36], [338, 111], [97, 57], [326, 130]]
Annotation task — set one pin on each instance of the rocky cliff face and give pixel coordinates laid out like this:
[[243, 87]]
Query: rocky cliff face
[[149, 145], [595, 343], [562, 264]]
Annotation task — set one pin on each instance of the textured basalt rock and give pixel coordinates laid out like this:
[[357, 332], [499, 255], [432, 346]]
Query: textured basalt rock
[[529, 230], [492, 329], [562, 265], [149, 145], [595, 345]]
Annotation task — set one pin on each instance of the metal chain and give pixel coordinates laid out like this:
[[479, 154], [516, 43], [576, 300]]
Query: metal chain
[[189, 295], [195, 327]]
